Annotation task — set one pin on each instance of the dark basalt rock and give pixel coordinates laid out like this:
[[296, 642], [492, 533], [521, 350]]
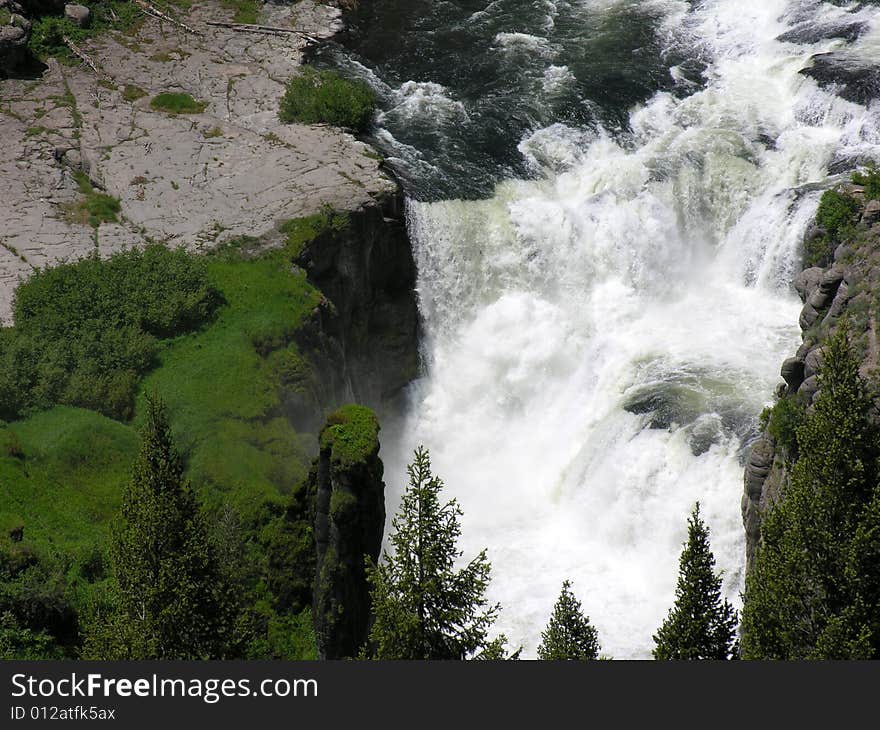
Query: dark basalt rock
[[758, 466], [349, 523], [807, 281], [809, 33], [809, 317], [841, 299], [809, 388], [14, 37], [793, 373], [813, 363], [368, 275], [853, 82]]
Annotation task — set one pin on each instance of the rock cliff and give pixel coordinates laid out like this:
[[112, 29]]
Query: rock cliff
[[364, 337], [847, 285], [349, 522]]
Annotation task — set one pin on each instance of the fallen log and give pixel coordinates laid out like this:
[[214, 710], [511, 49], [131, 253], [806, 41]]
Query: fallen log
[[253, 28], [156, 13], [81, 54]]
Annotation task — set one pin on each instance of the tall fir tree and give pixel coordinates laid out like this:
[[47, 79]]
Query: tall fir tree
[[569, 634], [700, 625], [813, 590], [423, 607], [169, 600]]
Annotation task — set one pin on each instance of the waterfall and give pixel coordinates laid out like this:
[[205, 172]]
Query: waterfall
[[602, 333]]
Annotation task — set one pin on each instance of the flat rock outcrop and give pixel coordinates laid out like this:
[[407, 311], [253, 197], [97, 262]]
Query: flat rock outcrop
[[194, 180]]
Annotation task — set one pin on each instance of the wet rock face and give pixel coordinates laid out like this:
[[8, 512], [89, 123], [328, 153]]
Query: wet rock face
[[848, 285], [851, 81], [349, 522], [810, 33], [368, 273]]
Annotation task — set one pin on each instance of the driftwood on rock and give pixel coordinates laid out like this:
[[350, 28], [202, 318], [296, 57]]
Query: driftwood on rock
[[80, 54], [270, 29], [156, 13]]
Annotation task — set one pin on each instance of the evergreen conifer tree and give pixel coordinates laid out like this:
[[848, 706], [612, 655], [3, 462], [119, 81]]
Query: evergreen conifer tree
[[701, 625], [569, 635], [813, 590], [169, 600], [424, 607]]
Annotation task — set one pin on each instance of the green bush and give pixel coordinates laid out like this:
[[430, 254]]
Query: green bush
[[47, 37], [175, 103], [47, 34], [870, 180], [317, 97], [36, 612], [85, 332], [837, 211], [783, 420], [837, 215]]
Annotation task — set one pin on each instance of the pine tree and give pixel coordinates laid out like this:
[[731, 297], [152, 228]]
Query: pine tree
[[169, 600], [814, 586], [423, 607], [569, 635], [700, 625]]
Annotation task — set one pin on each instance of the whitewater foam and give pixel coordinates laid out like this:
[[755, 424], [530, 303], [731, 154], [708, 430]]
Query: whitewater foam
[[648, 268]]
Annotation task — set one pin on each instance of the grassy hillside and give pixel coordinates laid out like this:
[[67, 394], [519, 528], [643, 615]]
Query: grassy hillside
[[223, 371], [222, 384]]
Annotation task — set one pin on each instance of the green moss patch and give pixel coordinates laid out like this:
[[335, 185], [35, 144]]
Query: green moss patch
[[177, 103], [132, 93], [300, 231], [95, 208], [245, 11], [352, 434]]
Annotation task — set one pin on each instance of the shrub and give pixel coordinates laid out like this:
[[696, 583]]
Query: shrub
[[837, 211], [85, 332], [175, 103], [317, 97], [783, 421], [837, 215]]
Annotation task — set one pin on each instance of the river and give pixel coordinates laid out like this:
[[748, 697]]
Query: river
[[606, 200]]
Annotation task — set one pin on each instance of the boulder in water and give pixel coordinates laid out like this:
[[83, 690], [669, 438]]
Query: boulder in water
[[848, 78], [809, 33]]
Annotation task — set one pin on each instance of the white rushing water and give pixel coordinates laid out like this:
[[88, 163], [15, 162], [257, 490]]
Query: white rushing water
[[656, 270]]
